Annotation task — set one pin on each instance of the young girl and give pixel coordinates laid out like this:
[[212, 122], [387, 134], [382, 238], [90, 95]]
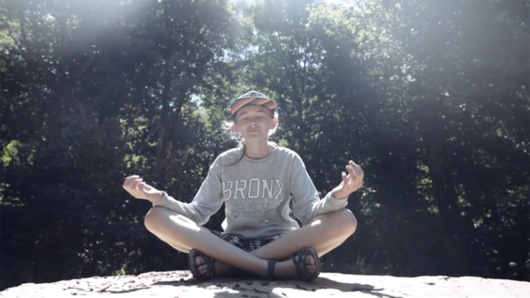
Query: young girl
[[256, 182]]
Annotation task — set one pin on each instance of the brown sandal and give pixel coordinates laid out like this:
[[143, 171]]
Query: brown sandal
[[299, 260], [208, 261]]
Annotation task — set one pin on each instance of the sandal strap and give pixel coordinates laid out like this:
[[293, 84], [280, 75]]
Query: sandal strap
[[299, 260], [208, 261], [270, 269]]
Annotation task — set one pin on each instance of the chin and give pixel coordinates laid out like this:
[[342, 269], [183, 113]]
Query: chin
[[255, 136]]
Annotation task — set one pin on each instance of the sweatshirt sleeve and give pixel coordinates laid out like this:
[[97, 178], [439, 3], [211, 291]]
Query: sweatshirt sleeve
[[207, 201], [306, 200]]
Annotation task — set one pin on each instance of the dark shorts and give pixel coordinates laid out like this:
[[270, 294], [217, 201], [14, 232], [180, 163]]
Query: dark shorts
[[245, 244]]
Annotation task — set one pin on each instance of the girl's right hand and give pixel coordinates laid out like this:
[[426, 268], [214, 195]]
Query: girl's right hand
[[140, 190]]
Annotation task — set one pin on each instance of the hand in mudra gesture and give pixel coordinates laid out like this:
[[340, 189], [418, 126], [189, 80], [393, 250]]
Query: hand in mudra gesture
[[351, 181], [141, 190]]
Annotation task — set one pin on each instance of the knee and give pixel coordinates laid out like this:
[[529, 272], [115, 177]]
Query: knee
[[162, 221], [156, 217], [344, 222]]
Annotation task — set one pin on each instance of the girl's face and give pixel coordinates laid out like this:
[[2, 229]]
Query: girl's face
[[254, 122]]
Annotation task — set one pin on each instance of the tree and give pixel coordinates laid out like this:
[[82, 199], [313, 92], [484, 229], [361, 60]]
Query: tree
[[92, 94]]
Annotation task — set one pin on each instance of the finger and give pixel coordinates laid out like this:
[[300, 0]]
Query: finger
[[137, 193], [357, 168], [344, 177], [143, 187], [136, 183], [353, 162], [126, 182], [351, 171], [130, 180]]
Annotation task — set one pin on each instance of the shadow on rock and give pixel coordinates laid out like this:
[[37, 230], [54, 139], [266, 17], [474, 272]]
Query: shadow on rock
[[226, 287]]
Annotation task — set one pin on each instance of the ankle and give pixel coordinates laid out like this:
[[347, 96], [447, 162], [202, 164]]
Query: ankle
[[284, 269], [222, 268]]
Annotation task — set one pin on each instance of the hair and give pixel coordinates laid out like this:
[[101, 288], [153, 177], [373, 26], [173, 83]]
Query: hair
[[232, 135]]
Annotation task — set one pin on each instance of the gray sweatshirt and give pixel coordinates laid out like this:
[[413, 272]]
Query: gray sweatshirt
[[256, 194]]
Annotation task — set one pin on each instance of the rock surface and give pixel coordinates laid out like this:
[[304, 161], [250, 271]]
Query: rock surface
[[180, 284]]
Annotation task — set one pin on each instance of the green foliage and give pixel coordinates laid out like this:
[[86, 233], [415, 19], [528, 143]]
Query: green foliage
[[90, 95]]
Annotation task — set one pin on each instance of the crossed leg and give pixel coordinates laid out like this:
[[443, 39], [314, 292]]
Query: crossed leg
[[324, 233]]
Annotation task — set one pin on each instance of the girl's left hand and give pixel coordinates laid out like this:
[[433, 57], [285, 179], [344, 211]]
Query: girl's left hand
[[351, 181]]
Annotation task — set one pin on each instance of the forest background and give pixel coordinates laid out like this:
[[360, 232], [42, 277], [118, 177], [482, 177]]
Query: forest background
[[430, 97]]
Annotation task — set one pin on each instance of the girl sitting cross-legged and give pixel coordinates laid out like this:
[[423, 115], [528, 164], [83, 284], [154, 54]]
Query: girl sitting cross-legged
[[256, 182]]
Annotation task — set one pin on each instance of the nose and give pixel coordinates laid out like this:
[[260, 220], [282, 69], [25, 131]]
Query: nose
[[253, 123]]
